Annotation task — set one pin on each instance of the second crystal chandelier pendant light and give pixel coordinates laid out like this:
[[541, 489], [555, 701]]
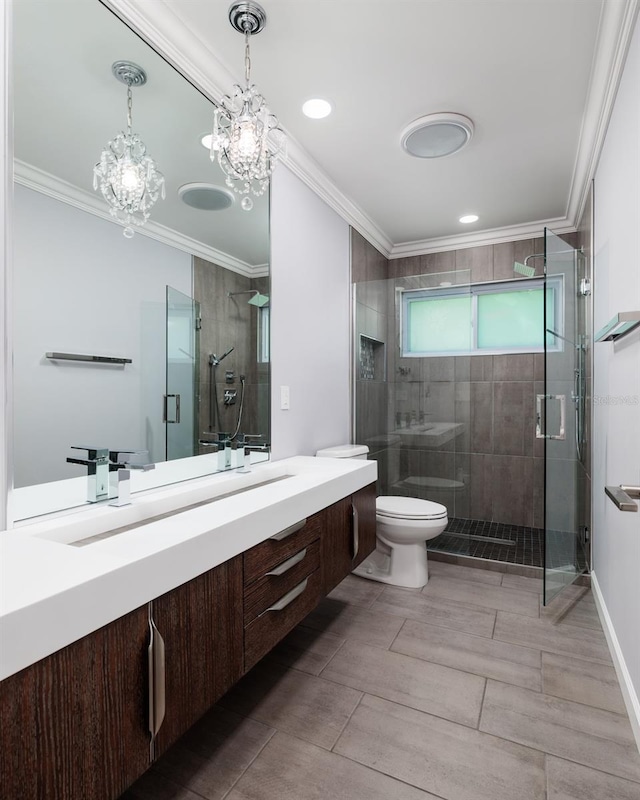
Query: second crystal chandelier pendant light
[[247, 140]]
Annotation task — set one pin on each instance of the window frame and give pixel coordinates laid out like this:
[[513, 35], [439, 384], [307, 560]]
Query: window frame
[[553, 282]]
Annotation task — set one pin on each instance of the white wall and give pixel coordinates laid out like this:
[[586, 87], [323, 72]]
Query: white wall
[[6, 172], [310, 283], [616, 386], [81, 287]]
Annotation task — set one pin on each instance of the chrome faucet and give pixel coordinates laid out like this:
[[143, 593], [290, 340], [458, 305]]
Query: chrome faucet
[[122, 487], [97, 463]]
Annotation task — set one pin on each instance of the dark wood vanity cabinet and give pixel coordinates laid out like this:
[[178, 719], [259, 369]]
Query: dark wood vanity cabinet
[[201, 625], [73, 725], [349, 535]]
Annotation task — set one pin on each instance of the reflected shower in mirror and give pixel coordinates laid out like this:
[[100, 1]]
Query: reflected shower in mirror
[[156, 309]]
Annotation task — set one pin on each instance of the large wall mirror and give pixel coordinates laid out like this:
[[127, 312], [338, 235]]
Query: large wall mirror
[[183, 305]]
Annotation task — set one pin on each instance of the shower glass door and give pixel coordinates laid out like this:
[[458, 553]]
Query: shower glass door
[[183, 315], [560, 412]]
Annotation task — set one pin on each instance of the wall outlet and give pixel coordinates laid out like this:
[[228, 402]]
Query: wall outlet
[[284, 398]]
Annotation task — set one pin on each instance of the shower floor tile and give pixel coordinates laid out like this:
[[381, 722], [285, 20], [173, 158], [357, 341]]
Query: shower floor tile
[[496, 541]]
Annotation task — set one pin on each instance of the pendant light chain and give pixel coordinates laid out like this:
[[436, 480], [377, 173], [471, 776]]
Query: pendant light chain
[[129, 107], [247, 55]]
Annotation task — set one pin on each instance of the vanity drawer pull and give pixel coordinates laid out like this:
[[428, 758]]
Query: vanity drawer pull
[[157, 683], [289, 563], [288, 598], [355, 526], [278, 537]]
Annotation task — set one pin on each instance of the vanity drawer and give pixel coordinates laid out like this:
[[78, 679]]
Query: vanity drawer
[[279, 580], [266, 555], [270, 627]]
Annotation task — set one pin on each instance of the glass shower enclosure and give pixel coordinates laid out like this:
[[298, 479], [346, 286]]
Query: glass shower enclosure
[[560, 421], [495, 434]]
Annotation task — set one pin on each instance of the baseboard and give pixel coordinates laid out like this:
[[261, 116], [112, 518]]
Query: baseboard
[[629, 693]]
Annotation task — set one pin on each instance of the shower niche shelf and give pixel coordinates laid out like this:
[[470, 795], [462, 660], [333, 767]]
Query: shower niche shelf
[[372, 359]]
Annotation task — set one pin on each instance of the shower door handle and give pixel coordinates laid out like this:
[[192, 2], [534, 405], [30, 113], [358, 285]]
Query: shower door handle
[[562, 431], [165, 415]]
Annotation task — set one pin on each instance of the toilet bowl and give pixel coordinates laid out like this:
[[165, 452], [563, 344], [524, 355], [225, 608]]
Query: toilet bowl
[[403, 527]]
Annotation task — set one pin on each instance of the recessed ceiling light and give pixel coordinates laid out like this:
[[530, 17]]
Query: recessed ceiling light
[[437, 135], [205, 140], [469, 218], [316, 108]]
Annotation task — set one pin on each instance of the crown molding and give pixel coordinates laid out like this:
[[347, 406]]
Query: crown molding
[[615, 32], [52, 186], [510, 233], [190, 55]]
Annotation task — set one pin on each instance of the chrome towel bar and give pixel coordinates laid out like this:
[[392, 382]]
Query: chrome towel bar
[[622, 496]]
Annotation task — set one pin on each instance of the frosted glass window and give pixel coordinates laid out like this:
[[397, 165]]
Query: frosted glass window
[[511, 319], [503, 317], [441, 324]]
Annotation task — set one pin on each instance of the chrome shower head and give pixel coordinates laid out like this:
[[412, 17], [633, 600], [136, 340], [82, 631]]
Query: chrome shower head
[[259, 300], [523, 269]]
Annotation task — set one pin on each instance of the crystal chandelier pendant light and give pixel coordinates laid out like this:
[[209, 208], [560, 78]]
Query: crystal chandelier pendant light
[[127, 177], [247, 140]]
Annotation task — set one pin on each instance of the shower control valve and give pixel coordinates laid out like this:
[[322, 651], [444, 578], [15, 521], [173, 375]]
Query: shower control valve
[[230, 397]]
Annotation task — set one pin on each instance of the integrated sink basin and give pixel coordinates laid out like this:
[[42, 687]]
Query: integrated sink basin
[[98, 537], [107, 522]]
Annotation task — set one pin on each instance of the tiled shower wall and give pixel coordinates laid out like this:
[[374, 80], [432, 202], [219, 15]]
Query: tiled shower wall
[[496, 456], [230, 322]]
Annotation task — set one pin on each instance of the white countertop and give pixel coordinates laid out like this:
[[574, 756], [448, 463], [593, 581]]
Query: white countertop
[[53, 593]]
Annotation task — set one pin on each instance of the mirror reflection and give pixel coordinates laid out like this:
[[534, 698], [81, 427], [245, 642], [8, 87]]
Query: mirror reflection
[[153, 347]]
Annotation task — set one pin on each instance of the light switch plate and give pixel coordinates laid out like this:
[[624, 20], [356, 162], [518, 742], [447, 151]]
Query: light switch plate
[[284, 398]]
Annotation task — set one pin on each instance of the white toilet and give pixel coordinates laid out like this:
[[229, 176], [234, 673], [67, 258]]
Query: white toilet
[[403, 526]]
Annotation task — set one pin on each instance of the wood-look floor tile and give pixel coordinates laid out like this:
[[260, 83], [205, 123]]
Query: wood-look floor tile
[[352, 622], [569, 781], [357, 591], [499, 660], [523, 583], [412, 682], [500, 598], [444, 569], [562, 728], [214, 753], [154, 786], [290, 769], [544, 634], [582, 681], [574, 605], [442, 757], [306, 649], [415, 605], [294, 702]]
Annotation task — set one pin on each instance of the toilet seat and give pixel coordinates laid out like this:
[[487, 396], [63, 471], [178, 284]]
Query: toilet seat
[[396, 507]]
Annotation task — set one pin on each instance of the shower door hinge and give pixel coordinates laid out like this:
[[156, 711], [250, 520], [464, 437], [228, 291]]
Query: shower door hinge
[[198, 323]]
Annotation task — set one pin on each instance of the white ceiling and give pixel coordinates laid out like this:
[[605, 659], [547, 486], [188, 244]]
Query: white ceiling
[[519, 68]]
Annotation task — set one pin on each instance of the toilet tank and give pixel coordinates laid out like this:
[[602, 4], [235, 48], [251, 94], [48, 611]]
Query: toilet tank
[[344, 451]]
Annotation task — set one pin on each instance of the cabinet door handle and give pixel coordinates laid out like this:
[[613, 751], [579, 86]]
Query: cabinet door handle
[[157, 682], [278, 537], [290, 562], [355, 523], [288, 598]]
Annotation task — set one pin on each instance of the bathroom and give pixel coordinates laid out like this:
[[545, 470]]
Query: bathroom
[[309, 720]]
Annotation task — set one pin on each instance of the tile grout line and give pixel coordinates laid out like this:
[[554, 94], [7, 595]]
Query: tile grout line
[[484, 694], [355, 708], [250, 764]]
